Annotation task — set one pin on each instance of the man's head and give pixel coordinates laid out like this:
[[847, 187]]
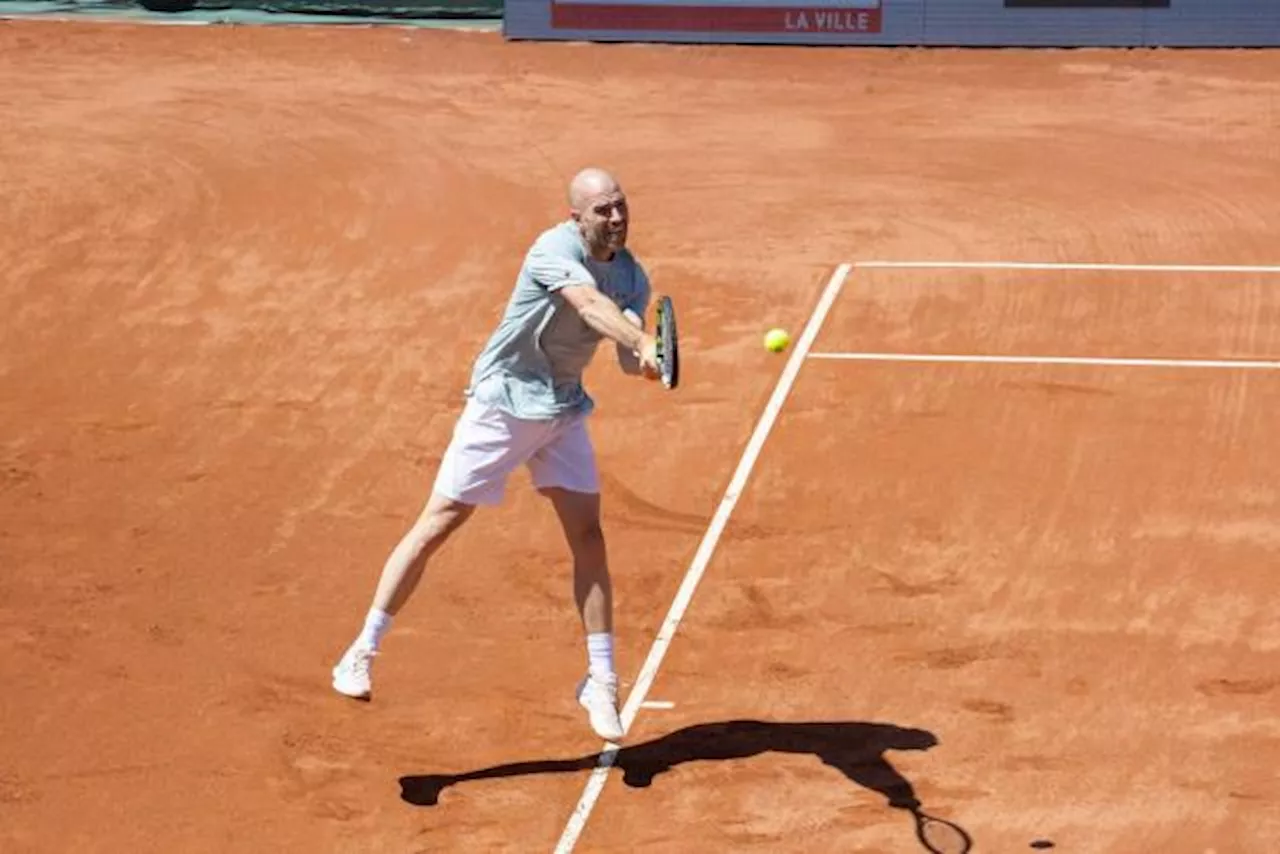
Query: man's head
[[598, 205]]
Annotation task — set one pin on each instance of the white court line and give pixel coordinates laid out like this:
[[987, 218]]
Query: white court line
[[1052, 360], [649, 670], [1030, 265]]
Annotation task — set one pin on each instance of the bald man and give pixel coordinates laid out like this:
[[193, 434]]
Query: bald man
[[526, 405]]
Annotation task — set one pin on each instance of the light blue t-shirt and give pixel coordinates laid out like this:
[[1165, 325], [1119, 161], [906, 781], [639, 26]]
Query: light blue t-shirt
[[533, 363]]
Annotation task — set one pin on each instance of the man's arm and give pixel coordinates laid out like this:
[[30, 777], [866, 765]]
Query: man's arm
[[634, 310], [600, 313], [628, 359]]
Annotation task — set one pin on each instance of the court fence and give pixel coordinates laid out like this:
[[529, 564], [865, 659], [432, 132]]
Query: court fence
[[922, 23], [957, 23]]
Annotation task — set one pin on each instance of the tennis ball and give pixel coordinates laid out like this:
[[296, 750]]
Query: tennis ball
[[776, 340]]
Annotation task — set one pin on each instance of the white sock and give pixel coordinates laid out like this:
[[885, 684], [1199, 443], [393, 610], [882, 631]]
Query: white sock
[[375, 626], [600, 654]]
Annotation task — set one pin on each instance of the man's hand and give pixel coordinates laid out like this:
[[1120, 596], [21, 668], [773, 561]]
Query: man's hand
[[634, 361], [648, 353]]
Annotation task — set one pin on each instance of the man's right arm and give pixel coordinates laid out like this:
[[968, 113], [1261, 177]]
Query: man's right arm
[[601, 314]]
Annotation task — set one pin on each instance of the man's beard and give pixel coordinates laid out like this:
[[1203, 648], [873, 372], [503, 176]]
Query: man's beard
[[610, 241]]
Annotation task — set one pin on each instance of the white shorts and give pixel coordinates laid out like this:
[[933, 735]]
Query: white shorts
[[488, 445]]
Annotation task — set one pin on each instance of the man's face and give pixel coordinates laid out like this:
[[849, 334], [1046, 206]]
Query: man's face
[[604, 218]]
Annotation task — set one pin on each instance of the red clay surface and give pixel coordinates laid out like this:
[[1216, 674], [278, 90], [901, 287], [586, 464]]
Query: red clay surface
[[246, 270]]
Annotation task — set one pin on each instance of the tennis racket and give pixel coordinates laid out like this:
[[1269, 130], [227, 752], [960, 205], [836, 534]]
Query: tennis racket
[[668, 344]]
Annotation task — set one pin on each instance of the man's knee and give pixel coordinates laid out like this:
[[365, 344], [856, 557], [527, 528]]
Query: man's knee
[[579, 514], [442, 516], [588, 535]]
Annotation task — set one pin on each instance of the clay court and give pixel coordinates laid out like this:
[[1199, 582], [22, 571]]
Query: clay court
[[997, 540]]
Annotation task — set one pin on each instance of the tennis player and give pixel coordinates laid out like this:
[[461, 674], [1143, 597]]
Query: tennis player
[[526, 405]]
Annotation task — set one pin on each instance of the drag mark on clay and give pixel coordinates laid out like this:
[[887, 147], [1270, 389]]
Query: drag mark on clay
[[900, 587], [991, 708], [1237, 687], [947, 658]]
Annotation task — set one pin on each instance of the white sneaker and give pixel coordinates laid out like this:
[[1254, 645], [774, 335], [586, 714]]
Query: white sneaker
[[351, 676], [600, 699]]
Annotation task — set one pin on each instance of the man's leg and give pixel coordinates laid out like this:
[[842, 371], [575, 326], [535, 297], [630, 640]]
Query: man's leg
[[579, 514], [400, 576], [403, 569], [486, 446], [564, 470]]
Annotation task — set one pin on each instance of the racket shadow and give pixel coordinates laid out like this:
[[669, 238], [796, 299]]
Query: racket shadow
[[939, 836], [854, 748]]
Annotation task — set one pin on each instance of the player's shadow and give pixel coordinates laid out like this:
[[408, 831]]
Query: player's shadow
[[856, 749]]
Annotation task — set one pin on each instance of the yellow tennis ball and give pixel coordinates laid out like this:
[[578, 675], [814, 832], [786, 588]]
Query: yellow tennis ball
[[776, 340]]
